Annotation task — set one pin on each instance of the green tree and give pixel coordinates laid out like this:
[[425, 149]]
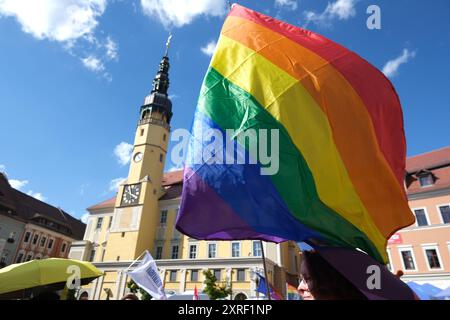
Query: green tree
[[213, 289], [134, 288]]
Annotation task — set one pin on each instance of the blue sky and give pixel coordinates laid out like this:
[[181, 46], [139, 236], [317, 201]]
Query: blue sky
[[72, 81]]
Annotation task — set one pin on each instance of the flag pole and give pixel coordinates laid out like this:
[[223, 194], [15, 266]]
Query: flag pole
[[265, 270], [125, 271]]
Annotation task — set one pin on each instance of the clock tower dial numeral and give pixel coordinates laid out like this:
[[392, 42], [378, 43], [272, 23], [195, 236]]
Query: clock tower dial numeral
[[131, 194]]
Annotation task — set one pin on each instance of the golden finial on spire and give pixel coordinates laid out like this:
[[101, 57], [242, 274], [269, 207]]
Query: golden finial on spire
[[168, 43]]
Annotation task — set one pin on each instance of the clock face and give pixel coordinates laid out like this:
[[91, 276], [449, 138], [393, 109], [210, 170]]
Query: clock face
[[138, 157], [131, 194]]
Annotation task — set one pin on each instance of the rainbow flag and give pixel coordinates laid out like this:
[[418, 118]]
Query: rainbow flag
[[262, 288], [340, 140], [292, 292]]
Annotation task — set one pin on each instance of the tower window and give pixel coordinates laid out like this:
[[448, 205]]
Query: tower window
[[160, 157], [142, 132], [99, 223], [164, 137], [123, 234]]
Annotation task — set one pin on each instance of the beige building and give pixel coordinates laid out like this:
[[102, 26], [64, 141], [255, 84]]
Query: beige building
[[142, 217], [422, 251]]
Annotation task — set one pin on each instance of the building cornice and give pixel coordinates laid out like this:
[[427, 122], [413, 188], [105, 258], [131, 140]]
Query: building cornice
[[429, 194], [186, 263], [163, 204], [423, 228], [104, 211], [427, 276]]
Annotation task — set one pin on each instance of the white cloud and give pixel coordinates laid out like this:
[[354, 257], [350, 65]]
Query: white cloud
[[93, 63], [84, 217], [288, 4], [36, 195], [59, 20], [111, 49], [391, 67], [339, 9], [176, 168], [70, 22], [18, 184], [123, 153], [209, 48], [181, 12], [115, 183]]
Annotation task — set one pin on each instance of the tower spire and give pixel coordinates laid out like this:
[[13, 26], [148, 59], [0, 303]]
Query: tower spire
[[157, 104]]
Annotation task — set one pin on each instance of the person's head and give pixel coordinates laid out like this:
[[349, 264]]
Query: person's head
[[47, 295], [320, 281], [84, 296], [130, 296]]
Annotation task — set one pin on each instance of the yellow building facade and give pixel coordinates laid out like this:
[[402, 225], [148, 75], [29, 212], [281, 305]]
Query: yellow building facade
[[142, 217]]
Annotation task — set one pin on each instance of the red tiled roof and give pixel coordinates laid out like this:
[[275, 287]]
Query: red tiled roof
[[442, 181], [6, 197], [172, 177], [104, 205], [28, 209], [428, 160]]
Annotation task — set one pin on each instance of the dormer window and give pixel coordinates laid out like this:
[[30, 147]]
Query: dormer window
[[12, 237], [426, 179]]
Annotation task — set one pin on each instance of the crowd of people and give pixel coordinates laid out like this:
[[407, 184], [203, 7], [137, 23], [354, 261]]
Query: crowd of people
[[318, 280]]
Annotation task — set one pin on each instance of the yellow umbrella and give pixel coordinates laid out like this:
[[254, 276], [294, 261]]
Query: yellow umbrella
[[53, 272]]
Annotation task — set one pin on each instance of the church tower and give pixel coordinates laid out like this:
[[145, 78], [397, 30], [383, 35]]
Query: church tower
[[136, 210]]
